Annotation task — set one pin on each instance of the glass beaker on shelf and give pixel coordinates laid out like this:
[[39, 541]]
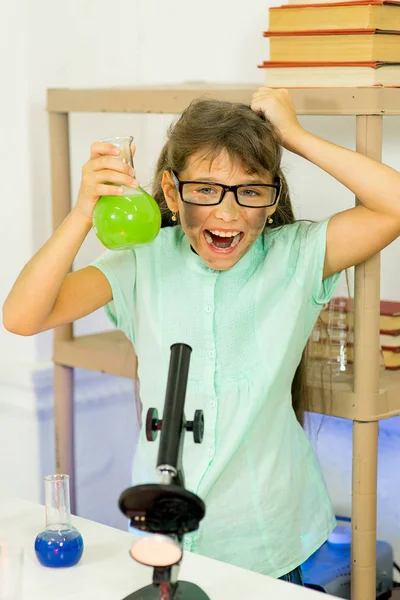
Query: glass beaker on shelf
[[339, 321], [331, 347], [59, 544], [130, 220]]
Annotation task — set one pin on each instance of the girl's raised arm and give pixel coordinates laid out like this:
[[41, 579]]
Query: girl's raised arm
[[356, 234], [45, 294]]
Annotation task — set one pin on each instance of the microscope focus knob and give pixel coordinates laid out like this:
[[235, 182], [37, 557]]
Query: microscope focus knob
[[197, 426], [153, 424]]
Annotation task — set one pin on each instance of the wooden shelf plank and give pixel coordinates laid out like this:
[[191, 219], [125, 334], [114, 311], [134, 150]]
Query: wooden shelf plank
[[109, 352], [173, 99], [149, 99], [341, 400]]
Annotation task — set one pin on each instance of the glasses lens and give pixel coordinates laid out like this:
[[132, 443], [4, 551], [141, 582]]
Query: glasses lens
[[256, 195], [201, 193]]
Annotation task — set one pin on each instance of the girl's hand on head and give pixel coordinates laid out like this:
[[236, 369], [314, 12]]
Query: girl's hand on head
[[104, 174], [277, 106]]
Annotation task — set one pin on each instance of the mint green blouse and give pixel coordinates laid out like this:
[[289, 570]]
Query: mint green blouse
[[266, 501]]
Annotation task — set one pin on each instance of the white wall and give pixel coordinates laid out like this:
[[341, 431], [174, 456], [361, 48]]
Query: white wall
[[93, 43]]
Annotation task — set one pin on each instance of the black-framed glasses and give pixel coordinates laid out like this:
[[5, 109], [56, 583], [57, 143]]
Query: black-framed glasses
[[205, 193]]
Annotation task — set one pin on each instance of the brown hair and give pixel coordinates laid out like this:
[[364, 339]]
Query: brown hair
[[250, 140]]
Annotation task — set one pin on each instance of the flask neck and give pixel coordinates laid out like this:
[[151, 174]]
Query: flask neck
[[57, 501], [124, 144]]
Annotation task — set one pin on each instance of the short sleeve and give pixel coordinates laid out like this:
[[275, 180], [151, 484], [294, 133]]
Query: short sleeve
[[313, 259], [119, 267]]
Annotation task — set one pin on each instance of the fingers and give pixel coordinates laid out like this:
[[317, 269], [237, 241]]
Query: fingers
[[114, 169], [101, 148], [105, 174], [103, 189], [110, 176], [108, 162], [266, 91], [267, 99]]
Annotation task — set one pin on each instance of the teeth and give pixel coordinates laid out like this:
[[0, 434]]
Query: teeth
[[236, 240], [224, 233]]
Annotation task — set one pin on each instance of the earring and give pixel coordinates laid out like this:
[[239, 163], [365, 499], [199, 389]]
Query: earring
[[270, 220], [174, 217]]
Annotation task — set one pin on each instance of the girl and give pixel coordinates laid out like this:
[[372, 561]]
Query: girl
[[235, 277]]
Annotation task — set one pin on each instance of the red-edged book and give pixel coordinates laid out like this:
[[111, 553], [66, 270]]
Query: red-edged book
[[295, 3], [339, 313], [391, 357], [331, 348], [338, 45], [390, 339], [389, 320], [360, 14], [333, 74]]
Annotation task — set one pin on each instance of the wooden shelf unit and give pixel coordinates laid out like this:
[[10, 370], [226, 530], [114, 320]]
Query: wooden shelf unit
[[371, 396], [111, 352]]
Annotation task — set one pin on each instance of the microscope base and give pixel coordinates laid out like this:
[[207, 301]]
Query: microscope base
[[184, 590]]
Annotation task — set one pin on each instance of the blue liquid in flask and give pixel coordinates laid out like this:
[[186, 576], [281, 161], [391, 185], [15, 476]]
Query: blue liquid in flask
[[60, 544], [59, 548]]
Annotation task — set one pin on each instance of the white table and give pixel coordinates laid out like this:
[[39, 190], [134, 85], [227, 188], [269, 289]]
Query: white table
[[106, 571]]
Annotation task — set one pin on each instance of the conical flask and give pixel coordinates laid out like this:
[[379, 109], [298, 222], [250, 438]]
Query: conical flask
[[59, 544], [130, 220]]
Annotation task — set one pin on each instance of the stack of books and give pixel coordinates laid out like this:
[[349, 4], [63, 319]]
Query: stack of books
[[354, 43], [335, 334]]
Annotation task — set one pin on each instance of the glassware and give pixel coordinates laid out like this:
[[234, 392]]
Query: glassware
[[340, 330], [60, 544], [130, 220], [331, 349], [11, 563]]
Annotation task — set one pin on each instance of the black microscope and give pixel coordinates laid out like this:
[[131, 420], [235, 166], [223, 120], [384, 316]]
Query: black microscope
[[167, 510]]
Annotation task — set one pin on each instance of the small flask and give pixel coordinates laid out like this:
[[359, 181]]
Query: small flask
[[131, 219], [59, 544]]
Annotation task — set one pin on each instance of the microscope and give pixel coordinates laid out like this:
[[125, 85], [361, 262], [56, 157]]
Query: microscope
[[166, 510]]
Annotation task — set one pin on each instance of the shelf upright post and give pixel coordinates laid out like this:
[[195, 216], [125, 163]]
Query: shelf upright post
[[63, 376], [366, 385]]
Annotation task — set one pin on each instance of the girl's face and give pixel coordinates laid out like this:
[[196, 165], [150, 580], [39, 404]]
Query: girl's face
[[221, 234]]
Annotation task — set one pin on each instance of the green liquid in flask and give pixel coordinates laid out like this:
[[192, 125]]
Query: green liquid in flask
[[127, 221]]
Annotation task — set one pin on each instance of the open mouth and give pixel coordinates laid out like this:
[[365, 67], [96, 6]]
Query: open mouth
[[223, 241]]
